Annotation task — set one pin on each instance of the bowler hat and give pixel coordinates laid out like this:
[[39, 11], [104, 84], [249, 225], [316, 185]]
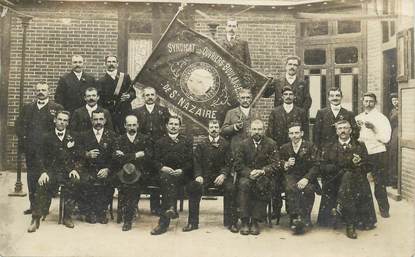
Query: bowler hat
[[287, 88], [129, 174]]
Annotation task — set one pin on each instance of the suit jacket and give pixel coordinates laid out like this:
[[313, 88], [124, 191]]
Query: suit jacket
[[154, 123], [232, 117], [324, 129], [59, 158], [176, 155], [81, 121], [106, 146], [70, 91], [210, 160], [279, 121], [300, 88], [140, 143], [239, 49], [265, 157], [305, 160], [32, 123]]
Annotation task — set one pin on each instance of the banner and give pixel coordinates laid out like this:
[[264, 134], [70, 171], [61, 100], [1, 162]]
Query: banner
[[196, 75]]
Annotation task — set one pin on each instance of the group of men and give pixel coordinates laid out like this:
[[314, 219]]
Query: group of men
[[90, 141]]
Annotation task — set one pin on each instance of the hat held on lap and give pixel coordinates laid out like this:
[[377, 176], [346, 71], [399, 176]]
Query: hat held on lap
[[129, 174]]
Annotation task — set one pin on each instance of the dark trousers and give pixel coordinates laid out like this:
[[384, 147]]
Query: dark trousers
[[195, 191], [129, 196], [380, 178], [299, 201], [96, 198], [250, 204], [44, 194], [330, 188], [33, 174], [169, 186]]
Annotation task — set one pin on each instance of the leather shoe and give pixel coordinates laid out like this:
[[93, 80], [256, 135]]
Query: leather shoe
[[234, 228], [189, 227], [384, 214], [244, 229], [68, 222], [351, 232], [91, 219], [298, 226], [34, 224], [27, 212], [127, 226], [102, 219], [171, 213], [158, 230], [255, 228]]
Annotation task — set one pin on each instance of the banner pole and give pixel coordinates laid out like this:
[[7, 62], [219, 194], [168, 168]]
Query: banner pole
[[260, 92]]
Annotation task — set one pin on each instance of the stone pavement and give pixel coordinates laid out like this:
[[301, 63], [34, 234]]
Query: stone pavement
[[393, 237]]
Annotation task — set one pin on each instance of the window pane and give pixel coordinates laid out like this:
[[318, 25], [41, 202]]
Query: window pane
[[314, 29], [314, 56], [348, 27], [385, 31], [346, 55]]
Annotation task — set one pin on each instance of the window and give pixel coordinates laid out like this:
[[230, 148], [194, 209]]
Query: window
[[140, 27], [315, 29], [314, 56], [344, 55], [344, 27]]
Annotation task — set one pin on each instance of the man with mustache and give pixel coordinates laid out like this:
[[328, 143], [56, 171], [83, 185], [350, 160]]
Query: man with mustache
[[137, 149], [375, 133], [152, 118], [256, 161], [173, 158], [212, 162], [59, 166], [81, 118], [71, 86], [35, 119], [345, 163], [96, 147], [300, 87], [116, 92], [233, 44]]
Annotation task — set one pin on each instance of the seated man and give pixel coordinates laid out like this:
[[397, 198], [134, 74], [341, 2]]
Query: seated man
[[300, 172], [256, 161], [96, 149], [212, 159], [346, 159], [137, 150], [59, 167], [173, 157]]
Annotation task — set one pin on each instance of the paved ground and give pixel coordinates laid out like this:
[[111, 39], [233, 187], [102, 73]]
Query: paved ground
[[393, 237]]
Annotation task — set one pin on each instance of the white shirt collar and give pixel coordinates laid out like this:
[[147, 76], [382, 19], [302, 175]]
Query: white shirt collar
[[91, 109], [288, 107], [131, 137], [78, 74], [289, 78], [173, 136], [335, 109], [229, 37], [98, 137], [345, 142], [296, 147], [214, 140], [150, 107], [245, 110], [112, 74], [256, 143], [63, 135], [45, 102]]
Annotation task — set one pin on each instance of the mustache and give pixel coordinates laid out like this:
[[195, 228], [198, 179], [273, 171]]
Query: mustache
[[40, 94], [111, 66], [90, 100]]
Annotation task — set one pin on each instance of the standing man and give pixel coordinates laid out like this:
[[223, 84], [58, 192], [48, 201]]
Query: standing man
[[375, 133], [282, 116], [58, 166], [235, 46], [256, 161], [34, 120], [71, 86], [173, 158], [324, 128], [212, 162], [300, 87], [298, 158], [81, 118], [152, 118], [116, 92], [96, 149]]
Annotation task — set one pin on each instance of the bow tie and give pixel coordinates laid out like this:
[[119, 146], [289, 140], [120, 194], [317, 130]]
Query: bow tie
[[60, 134], [344, 145], [41, 102], [98, 133], [336, 108]]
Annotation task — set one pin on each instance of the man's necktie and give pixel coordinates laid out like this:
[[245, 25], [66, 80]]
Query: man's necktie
[[60, 134], [41, 102]]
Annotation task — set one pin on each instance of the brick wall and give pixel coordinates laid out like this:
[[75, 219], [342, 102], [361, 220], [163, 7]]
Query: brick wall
[[374, 59]]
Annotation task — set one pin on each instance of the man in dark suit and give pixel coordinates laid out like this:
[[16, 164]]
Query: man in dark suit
[[137, 149], [71, 86], [173, 158], [300, 87], [58, 166], [116, 93], [235, 46], [300, 174], [81, 118], [282, 116], [345, 162], [34, 120], [212, 159], [96, 148], [324, 130], [152, 118], [256, 160]]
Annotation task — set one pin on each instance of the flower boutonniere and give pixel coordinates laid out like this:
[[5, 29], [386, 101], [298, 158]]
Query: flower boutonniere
[[83, 79], [52, 112], [341, 117], [160, 112], [71, 142], [105, 145], [302, 152]]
